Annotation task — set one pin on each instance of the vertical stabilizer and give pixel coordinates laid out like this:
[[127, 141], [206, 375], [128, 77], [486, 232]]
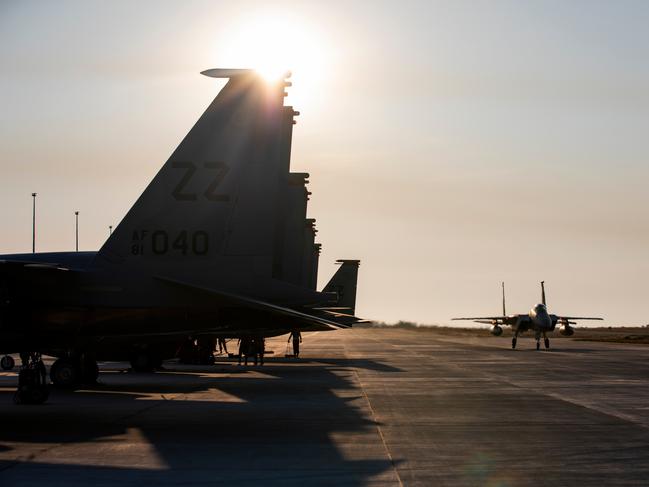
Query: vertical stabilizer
[[290, 254], [211, 210], [308, 253], [314, 266], [503, 286], [343, 283], [543, 292]]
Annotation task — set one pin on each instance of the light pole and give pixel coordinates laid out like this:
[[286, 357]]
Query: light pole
[[33, 223], [76, 217]]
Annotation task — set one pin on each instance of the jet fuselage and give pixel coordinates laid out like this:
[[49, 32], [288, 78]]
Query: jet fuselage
[[540, 318]]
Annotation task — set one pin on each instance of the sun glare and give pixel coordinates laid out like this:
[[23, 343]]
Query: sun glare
[[272, 45]]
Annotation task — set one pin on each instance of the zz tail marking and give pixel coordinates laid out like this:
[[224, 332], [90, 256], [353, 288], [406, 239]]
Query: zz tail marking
[[179, 192]]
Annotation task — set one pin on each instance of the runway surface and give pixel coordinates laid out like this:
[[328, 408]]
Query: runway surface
[[361, 407]]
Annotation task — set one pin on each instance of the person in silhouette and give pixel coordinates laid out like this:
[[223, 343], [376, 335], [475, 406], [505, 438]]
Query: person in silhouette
[[244, 348], [223, 346], [297, 339], [260, 348]]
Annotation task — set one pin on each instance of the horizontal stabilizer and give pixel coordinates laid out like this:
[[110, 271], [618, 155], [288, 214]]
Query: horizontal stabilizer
[[339, 315], [33, 265], [227, 73], [333, 308], [247, 302]]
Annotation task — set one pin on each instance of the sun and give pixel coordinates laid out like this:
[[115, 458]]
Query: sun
[[274, 44]]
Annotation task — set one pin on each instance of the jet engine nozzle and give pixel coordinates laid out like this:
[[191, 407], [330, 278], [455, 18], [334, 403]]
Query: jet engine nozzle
[[496, 330], [566, 330]]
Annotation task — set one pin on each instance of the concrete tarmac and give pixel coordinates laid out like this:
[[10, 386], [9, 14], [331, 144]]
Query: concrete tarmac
[[360, 407]]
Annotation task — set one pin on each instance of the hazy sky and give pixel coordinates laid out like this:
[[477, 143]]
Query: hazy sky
[[451, 144]]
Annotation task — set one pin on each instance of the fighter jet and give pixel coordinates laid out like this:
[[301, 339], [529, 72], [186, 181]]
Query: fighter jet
[[204, 250], [537, 319]]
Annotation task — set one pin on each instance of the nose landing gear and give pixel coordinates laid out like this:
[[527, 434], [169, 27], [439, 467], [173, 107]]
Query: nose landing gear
[[546, 341], [32, 380]]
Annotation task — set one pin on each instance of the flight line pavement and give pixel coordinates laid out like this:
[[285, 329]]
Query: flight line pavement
[[360, 407]]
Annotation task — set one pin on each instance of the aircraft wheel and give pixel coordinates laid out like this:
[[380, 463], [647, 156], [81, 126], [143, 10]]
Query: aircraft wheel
[[513, 343], [65, 373], [39, 394], [538, 345], [7, 362], [547, 343]]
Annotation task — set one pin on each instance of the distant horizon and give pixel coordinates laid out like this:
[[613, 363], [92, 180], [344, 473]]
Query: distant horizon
[[470, 325]]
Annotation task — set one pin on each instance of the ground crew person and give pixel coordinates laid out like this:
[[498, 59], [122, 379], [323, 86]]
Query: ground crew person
[[260, 348], [257, 349], [223, 346], [297, 339], [244, 348]]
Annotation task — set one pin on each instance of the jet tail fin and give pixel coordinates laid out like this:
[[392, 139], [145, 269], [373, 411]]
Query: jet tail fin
[[210, 212], [543, 292], [503, 286], [343, 283]]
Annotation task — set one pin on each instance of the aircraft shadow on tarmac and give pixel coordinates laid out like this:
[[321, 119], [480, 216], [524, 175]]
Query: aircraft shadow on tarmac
[[557, 349], [275, 424], [529, 346], [347, 362]]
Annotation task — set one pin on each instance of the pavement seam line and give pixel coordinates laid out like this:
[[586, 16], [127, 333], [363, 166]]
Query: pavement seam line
[[378, 428], [376, 423]]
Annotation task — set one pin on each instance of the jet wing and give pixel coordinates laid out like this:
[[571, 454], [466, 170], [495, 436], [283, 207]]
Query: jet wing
[[569, 318], [492, 320], [484, 318], [244, 301], [344, 318]]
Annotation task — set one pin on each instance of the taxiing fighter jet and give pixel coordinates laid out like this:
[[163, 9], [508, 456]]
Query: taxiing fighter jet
[[538, 319], [217, 244]]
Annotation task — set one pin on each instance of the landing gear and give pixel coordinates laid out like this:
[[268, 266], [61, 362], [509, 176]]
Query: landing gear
[[547, 342], [32, 380], [65, 373], [538, 344], [71, 372], [198, 351], [7, 362], [513, 343]]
